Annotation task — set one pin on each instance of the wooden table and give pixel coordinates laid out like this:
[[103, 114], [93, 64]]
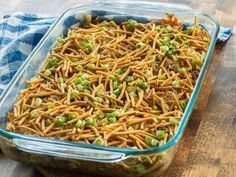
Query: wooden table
[[208, 148]]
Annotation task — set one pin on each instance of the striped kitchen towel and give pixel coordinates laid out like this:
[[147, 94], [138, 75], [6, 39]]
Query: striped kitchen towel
[[20, 33]]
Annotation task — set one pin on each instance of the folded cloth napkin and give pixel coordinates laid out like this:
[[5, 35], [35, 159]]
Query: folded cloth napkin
[[20, 33]]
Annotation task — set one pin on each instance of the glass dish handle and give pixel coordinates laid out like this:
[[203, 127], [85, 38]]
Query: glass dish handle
[[66, 151], [149, 5]]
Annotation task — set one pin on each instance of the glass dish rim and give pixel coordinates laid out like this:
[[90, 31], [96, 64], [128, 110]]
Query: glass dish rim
[[188, 109]]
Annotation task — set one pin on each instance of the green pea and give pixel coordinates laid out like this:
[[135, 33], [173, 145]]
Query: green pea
[[90, 66], [185, 43], [177, 36], [78, 68], [38, 102], [34, 114], [98, 99], [169, 28], [176, 84], [103, 28], [132, 22], [80, 123], [99, 141], [155, 107], [181, 70], [60, 120], [164, 48], [47, 72], [141, 84], [119, 71], [130, 129], [70, 32], [106, 66], [182, 104], [88, 37], [130, 79], [190, 29], [139, 45], [160, 134], [197, 62], [174, 43], [164, 30], [131, 89], [82, 44], [89, 47], [174, 121], [162, 77], [151, 141], [139, 168]]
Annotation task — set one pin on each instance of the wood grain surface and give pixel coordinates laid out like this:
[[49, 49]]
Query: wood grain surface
[[208, 147]]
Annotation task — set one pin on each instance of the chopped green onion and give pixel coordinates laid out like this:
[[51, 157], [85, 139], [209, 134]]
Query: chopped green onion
[[197, 62], [90, 66], [80, 123], [190, 29], [60, 120], [100, 113], [72, 115], [34, 114], [38, 102], [117, 92], [151, 141], [119, 71], [174, 121], [63, 85], [91, 121], [133, 94], [176, 84], [99, 141], [112, 119], [147, 73], [103, 28], [113, 78], [88, 37], [60, 40], [80, 87], [50, 105], [53, 62], [70, 32], [132, 22], [185, 43], [182, 104], [160, 134], [164, 30], [152, 57], [74, 59], [60, 80], [115, 84], [47, 72], [48, 122], [74, 94], [139, 168], [139, 45]]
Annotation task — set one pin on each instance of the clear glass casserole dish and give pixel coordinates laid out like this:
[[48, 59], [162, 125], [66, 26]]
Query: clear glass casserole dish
[[88, 158]]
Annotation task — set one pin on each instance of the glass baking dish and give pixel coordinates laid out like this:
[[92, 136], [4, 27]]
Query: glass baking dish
[[87, 158]]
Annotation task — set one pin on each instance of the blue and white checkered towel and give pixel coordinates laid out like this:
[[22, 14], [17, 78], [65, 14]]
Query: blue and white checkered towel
[[20, 33]]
